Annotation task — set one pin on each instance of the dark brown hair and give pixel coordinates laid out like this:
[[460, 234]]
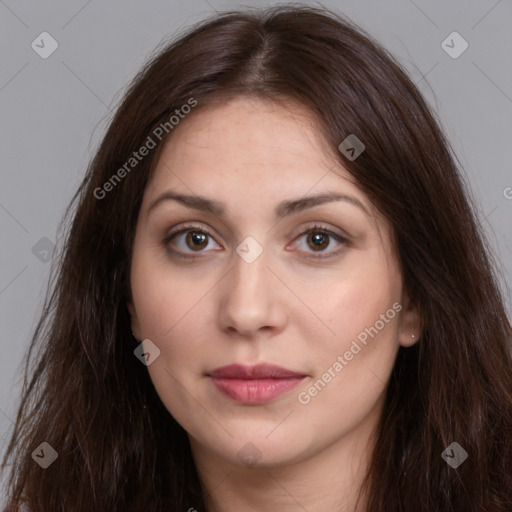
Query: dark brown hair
[[86, 394]]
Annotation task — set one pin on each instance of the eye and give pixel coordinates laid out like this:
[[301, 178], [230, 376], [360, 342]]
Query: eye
[[319, 237], [196, 238]]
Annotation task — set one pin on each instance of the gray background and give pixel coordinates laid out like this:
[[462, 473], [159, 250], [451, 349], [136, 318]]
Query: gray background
[[53, 114]]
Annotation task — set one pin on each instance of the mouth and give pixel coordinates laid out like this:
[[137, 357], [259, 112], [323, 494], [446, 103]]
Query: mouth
[[252, 385]]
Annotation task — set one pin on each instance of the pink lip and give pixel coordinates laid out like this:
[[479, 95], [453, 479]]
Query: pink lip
[[254, 384]]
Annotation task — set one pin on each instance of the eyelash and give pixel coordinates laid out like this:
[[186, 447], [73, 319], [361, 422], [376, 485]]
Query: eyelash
[[316, 229]]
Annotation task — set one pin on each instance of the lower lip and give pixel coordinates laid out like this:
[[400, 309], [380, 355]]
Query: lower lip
[[257, 391]]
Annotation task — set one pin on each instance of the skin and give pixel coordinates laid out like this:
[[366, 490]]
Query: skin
[[284, 307]]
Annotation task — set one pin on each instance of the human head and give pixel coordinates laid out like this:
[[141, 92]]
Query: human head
[[255, 292], [352, 86]]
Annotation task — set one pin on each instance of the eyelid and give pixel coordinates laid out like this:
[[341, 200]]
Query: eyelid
[[188, 227]]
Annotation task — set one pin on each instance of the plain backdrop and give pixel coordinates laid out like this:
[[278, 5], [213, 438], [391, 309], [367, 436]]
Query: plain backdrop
[[53, 114]]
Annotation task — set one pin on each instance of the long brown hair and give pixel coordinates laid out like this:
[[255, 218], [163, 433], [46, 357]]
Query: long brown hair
[[88, 396]]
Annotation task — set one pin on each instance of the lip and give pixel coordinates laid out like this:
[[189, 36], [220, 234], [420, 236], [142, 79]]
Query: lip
[[254, 384], [258, 371]]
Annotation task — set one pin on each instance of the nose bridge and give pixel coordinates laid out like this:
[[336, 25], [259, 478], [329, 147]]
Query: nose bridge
[[251, 295], [250, 273], [250, 277]]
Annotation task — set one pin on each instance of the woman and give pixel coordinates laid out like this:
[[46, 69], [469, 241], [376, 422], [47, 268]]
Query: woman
[[273, 295]]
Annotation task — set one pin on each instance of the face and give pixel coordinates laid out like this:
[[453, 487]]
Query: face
[[253, 273]]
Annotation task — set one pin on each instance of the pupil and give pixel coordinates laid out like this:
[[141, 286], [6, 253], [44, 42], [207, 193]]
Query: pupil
[[197, 238], [317, 238]]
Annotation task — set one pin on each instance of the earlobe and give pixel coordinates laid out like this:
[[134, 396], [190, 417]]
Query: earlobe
[[410, 328], [408, 341]]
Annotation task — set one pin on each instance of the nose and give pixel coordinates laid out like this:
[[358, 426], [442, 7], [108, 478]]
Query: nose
[[252, 299]]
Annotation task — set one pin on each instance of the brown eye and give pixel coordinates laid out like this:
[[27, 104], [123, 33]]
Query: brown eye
[[196, 239], [189, 240], [318, 238]]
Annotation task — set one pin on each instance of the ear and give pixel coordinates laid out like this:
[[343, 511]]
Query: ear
[[134, 321], [410, 324]]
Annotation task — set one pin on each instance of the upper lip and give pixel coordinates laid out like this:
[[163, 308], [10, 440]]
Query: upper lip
[[259, 371]]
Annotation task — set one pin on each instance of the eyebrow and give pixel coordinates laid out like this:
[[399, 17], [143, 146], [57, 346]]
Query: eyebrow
[[283, 209]]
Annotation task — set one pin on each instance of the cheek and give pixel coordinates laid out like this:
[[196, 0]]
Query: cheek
[[168, 309], [360, 303], [163, 298], [171, 313], [352, 364]]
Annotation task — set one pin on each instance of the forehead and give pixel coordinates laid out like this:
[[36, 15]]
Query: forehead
[[250, 147]]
